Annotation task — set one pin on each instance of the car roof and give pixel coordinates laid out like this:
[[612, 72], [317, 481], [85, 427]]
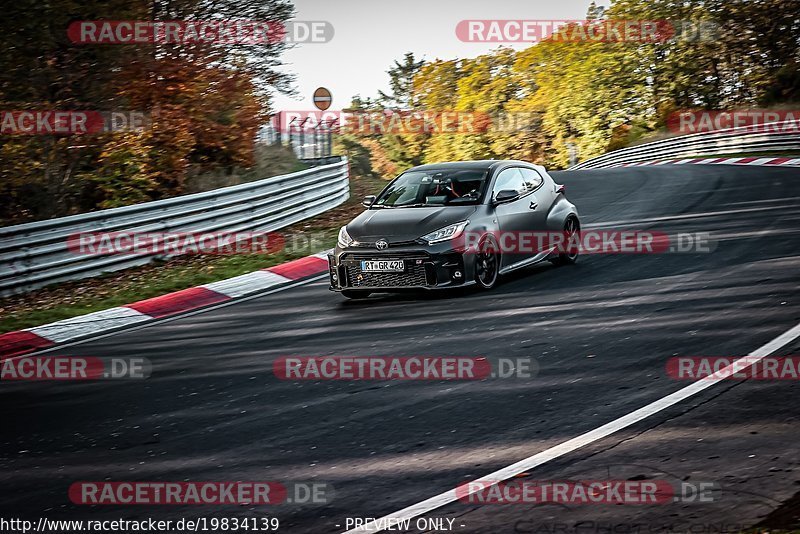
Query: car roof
[[474, 164]]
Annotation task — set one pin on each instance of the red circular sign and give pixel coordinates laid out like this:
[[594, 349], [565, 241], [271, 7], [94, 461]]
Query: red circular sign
[[322, 98]]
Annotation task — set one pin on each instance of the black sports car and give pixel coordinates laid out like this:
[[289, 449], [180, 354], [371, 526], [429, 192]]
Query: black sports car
[[445, 225]]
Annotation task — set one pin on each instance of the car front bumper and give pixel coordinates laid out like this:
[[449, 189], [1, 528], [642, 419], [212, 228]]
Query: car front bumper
[[428, 267]]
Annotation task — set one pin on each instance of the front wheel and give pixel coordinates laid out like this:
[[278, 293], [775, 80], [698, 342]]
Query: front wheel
[[487, 263], [572, 229], [356, 293]]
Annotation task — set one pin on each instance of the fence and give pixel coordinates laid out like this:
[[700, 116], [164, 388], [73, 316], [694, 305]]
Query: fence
[[308, 140], [775, 137], [36, 254]]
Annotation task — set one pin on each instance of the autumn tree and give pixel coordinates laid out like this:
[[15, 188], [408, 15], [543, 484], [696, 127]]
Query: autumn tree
[[204, 100]]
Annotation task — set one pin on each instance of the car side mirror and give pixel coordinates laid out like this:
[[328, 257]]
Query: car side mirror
[[368, 201], [506, 195]]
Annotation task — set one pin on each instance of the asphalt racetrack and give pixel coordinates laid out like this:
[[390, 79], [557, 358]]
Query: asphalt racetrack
[[601, 332]]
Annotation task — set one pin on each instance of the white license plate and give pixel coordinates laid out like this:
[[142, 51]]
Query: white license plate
[[383, 266]]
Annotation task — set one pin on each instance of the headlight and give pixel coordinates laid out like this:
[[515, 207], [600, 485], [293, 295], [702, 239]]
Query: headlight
[[443, 234], [344, 239]]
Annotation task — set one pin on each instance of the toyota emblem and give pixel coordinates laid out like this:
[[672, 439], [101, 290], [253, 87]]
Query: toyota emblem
[[381, 245]]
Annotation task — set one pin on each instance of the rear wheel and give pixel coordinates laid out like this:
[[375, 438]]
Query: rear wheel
[[356, 293], [572, 229], [487, 263]]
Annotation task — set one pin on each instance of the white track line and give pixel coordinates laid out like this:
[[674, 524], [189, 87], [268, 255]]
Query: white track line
[[415, 510]]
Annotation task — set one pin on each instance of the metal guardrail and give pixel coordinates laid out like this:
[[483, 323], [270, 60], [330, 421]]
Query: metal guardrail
[[764, 138], [35, 254]]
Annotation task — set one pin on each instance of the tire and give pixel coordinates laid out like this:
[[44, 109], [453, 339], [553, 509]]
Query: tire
[[356, 294], [487, 263], [572, 228]]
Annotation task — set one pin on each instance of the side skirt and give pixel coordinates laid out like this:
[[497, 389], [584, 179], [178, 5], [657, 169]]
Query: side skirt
[[526, 262]]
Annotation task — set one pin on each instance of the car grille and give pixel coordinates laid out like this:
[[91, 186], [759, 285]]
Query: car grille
[[414, 276]]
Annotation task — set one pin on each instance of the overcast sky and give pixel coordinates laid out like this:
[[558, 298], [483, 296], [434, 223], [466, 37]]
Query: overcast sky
[[371, 34]]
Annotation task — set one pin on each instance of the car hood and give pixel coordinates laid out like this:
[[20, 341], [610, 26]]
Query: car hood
[[405, 224]]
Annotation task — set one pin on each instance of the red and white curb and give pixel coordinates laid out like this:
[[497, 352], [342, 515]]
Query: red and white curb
[[40, 337], [791, 162]]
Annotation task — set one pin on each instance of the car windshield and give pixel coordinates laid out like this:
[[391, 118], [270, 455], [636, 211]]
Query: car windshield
[[441, 187]]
